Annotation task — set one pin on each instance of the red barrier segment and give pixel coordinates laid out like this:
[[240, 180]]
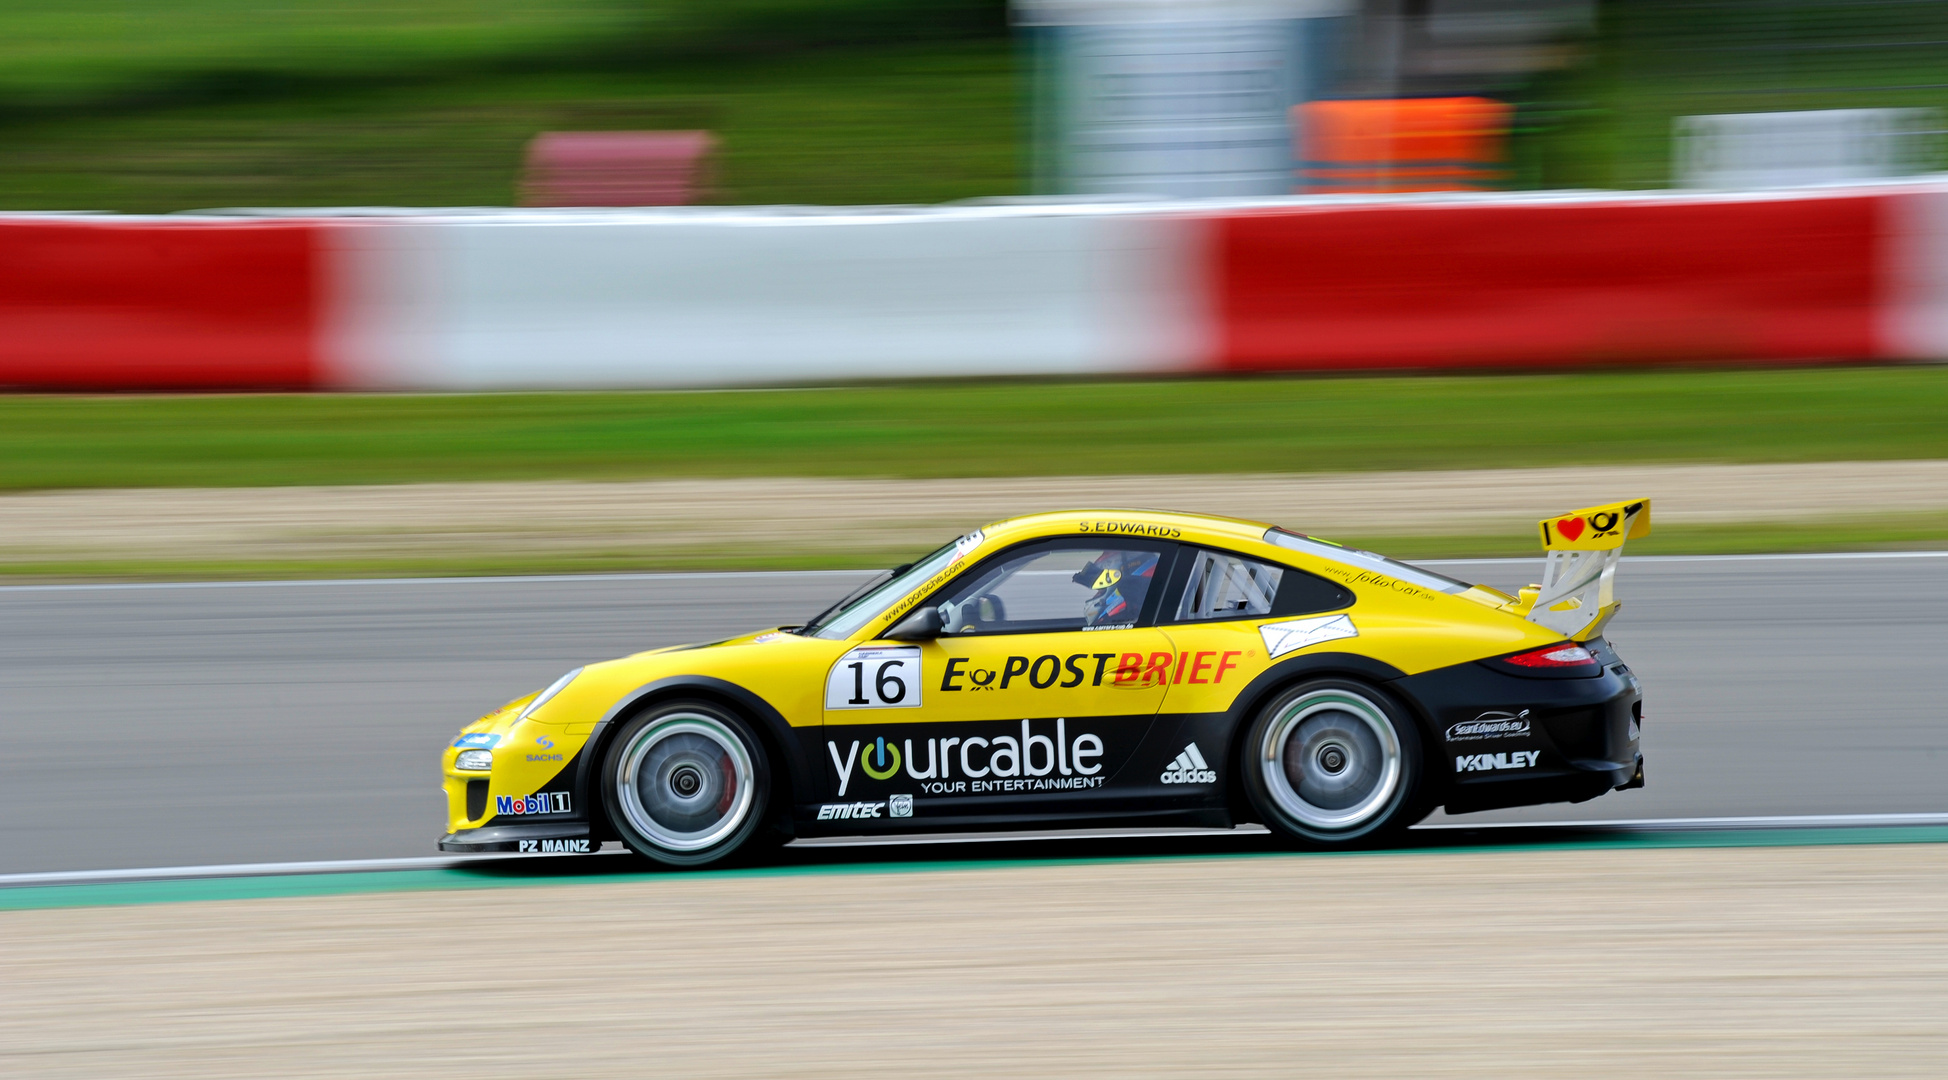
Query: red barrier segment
[[191, 305], [1474, 285]]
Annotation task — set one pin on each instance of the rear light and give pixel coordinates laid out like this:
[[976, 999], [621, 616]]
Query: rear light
[[1557, 657]]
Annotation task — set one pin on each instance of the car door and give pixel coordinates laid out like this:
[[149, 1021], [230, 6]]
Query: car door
[[1041, 685], [1229, 618]]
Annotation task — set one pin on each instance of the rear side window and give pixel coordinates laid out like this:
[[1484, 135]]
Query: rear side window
[[1219, 585], [1224, 586], [1364, 560]]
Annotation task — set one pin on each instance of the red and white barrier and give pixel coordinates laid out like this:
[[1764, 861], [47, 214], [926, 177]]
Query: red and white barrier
[[708, 297]]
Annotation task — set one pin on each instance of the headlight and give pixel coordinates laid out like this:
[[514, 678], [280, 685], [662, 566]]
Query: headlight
[[558, 686], [475, 761]]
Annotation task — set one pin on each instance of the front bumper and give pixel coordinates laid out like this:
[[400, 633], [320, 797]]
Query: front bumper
[[1512, 741], [541, 837]]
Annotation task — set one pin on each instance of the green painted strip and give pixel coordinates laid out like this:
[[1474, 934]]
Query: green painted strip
[[32, 898], [36, 897]]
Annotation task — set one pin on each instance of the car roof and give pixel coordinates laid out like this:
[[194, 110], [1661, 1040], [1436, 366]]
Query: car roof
[[1112, 522]]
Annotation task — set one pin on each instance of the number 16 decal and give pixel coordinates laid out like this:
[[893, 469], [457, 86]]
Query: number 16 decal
[[882, 677]]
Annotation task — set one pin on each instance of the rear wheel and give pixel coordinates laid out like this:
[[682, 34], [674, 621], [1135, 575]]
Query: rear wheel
[[686, 783], [1333, 762]]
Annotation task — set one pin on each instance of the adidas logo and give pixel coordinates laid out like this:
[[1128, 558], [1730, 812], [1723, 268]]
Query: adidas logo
[[1190, 768]]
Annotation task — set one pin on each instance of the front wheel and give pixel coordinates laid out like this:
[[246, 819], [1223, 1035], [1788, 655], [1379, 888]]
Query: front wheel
[[686, 783], [1333, 762]]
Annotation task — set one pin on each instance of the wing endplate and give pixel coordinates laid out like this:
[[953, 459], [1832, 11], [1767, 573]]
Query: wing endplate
[[1577, 596], [1596, 528]]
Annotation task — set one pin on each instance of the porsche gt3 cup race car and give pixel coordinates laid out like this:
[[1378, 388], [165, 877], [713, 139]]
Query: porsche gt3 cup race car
[[1085, 668]]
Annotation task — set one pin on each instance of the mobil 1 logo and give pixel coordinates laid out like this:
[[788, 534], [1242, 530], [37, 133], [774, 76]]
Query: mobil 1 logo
[[876, 677]]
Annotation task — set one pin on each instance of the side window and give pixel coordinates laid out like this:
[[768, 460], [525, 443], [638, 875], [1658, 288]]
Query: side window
[[1223, 586], [1053, 588]]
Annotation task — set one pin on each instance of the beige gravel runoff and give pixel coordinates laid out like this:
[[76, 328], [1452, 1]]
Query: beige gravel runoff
[[822, 515], [1754, 962]]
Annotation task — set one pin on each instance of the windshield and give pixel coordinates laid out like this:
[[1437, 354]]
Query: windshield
[[1365, 560], [851, 614]]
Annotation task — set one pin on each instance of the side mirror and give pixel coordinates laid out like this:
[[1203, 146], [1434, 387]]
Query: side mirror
[[922, 624]]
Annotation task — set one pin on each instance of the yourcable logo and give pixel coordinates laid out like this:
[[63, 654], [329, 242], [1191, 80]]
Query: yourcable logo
[[1067, 762], [887, 758]]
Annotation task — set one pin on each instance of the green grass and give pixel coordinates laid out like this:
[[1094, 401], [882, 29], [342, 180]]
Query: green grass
[[917, 124], [102, 54], [1607, 121], [1871, 532], [1023, 428], [137, 107]]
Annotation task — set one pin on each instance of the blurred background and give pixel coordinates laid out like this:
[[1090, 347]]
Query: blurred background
[[136, 107]]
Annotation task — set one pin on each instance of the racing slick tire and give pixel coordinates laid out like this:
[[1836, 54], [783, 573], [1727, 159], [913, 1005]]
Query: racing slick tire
[[686, 784], [1333, 763]]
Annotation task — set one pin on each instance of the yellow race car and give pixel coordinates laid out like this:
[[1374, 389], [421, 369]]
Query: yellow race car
[[1091, 667]]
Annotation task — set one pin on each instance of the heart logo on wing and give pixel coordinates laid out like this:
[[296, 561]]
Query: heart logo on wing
[[1570, 528]]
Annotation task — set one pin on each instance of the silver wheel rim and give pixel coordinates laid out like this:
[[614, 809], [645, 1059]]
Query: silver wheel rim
[[685, 782], [1331, 760]]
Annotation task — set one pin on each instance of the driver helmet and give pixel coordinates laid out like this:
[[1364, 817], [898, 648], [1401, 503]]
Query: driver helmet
[[1117, 581]]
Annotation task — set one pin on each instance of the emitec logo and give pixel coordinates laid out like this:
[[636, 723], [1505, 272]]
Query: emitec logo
[[849, 811], [1190, 768]]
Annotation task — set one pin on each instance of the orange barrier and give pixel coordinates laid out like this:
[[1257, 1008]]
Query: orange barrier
[[1409, 144]]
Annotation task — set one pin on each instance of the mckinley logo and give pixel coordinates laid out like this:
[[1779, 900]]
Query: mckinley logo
[[1190, 768], [1491, 725], [1520, 759]]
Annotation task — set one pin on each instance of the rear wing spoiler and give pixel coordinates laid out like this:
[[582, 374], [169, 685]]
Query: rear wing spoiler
[[1577, 595]]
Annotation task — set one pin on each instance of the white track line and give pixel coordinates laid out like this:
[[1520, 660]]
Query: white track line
[[548, 579], [512, 579], [446, 862], [1780, 821], [276, 869], [1805, 556]]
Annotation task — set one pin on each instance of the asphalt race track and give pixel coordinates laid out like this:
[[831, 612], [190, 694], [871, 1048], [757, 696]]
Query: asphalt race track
[[171, 725]]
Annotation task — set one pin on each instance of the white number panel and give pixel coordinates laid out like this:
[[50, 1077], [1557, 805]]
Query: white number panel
[[882, 677]]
